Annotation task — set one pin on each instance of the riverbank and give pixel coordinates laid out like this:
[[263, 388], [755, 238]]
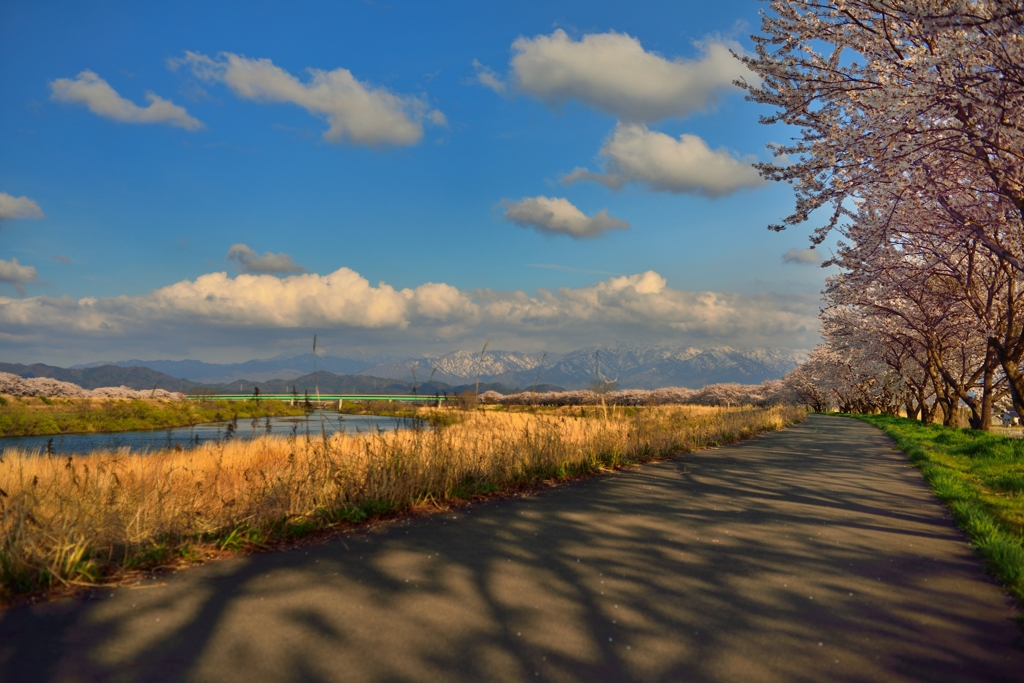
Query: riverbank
[[41, 416], [89, 520], [435, 417]]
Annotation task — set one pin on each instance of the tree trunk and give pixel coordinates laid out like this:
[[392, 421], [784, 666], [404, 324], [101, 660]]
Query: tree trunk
[[1013, 374], [912, 407], [948, 413], [988, 392], [927, 416], [945, 402]]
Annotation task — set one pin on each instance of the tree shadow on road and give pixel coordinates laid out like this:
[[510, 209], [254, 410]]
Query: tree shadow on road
[[811, 554]]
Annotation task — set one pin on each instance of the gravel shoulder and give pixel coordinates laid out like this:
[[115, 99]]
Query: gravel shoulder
[[812, 554]]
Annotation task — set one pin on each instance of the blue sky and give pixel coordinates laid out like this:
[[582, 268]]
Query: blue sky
[[436, 154]]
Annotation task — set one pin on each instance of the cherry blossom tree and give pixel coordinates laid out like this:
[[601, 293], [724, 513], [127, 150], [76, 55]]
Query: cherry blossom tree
[[888, 96], [955, 299]]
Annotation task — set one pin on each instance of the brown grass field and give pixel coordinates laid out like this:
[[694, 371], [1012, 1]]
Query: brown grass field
[[93, 519]]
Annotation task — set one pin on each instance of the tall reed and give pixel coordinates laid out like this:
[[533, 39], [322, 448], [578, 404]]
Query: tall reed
[[88, 519]]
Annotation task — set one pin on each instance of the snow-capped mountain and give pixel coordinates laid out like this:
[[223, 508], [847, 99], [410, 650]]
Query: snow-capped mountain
[[634, 366], [459, 366]]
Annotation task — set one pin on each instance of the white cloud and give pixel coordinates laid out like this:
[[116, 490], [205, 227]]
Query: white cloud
[[809, 256], [95, 93], [486, 76], [251, 262], [16, 274], [18, 207], [249, 301], [253, 309], [637, 155], [613, 72], [557, 216], [357, 112]]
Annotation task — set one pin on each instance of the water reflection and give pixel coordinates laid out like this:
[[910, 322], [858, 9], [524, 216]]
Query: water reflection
[[312, 424]]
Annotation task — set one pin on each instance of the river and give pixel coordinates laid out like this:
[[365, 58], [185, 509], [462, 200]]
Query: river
[[189, 437]]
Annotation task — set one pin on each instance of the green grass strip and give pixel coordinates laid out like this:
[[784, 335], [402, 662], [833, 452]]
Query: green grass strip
[[41, 417], [980, 478]]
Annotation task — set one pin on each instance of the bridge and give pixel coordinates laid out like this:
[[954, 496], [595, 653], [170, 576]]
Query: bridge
[[408, 398]]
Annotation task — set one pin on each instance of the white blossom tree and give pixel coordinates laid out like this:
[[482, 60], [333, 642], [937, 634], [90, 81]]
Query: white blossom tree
[[888, 96]]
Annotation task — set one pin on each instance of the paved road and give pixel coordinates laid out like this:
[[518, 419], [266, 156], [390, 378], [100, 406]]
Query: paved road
[[812, 554]]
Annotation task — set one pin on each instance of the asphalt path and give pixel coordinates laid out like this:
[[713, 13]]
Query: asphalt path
[[812, 554]]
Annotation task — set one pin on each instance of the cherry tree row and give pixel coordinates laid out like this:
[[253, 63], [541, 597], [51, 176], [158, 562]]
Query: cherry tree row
[[910, 120]]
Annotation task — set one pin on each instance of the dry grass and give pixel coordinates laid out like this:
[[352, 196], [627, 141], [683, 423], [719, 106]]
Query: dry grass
[[89, 519]]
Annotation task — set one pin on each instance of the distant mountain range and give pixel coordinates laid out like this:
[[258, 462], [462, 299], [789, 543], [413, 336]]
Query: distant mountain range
[[102, 376], [328, 382], [631, 365], [256, 370]]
